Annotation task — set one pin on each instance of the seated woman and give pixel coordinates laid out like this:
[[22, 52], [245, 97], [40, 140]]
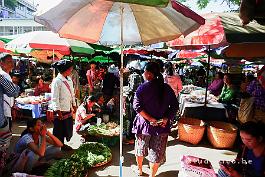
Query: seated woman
[[84, 116], [216, 86], [251, 159], [38, 144], [228, 93], [41, 87], [100, 108]]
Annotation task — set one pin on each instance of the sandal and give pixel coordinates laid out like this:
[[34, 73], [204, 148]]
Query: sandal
[[136, 170]]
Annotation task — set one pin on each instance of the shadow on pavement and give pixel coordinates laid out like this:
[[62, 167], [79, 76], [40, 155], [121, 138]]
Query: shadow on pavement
[[168, 173]]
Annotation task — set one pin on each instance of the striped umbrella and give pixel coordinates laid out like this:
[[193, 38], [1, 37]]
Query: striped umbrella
[[100, 21], [47, 40]]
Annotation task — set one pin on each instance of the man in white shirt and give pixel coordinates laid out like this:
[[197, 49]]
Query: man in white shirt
[[6, 64], [63, 101]]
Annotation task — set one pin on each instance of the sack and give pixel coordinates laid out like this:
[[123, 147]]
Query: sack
[[5, 136], [196, 167], [134, 81], [246, 109]]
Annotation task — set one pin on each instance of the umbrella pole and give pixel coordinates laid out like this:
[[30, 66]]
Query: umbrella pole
[[53, 70], [207, 75], [121, 95]]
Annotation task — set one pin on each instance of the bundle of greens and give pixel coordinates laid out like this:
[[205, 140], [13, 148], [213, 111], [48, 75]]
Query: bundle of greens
[[93, 153], [66, 168], [109, 129], [86, 156]]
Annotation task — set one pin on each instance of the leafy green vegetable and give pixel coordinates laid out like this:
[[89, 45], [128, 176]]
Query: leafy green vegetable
[[86, 156]]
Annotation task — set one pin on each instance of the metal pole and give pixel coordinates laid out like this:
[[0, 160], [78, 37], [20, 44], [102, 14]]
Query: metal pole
[[207, 75], [53, 70], [121, 95]]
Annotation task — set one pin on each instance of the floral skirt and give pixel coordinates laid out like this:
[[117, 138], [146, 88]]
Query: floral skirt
[[154, 147]]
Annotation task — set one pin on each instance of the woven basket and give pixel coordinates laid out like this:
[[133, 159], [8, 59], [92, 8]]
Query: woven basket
[[221, 134], [190, 130]]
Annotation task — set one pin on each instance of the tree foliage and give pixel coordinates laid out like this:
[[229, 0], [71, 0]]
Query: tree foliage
[[203, 3], [11, 4]]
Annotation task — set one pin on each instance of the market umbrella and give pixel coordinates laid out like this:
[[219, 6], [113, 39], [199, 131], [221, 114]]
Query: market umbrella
[[190, 54], [225, 29], [2, 47], [100, 21], [47, 40], [100, 59], [112, 23], [8, 38]]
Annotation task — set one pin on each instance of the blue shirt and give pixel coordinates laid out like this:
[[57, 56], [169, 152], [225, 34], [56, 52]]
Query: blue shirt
[[257, 165], [147, 98]]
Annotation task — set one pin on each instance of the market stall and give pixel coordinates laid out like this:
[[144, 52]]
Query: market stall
[[192, 100], [37, 104]]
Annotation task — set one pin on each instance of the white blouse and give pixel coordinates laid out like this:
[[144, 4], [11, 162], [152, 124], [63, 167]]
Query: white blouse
[[62, 97]]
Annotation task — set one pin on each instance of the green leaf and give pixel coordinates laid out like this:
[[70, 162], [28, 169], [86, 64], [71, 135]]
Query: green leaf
[[156, 3]]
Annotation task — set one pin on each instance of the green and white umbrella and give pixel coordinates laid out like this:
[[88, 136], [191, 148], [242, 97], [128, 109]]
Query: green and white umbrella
[[47, 40]]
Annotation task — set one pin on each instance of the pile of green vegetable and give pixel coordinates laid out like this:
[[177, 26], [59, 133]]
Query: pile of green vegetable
[[86, 156], [109, 129]]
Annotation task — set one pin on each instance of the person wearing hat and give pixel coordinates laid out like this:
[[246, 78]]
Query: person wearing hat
[[63, 100]]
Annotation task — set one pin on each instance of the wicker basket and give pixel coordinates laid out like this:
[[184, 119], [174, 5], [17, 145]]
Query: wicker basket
[[221, 134], [190, 130]]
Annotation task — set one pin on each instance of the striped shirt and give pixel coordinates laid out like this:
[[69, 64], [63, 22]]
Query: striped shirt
[[11, 90], [8, 101]]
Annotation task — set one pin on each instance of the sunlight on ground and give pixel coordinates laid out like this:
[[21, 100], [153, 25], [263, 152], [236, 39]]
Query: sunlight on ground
[[15, 134], [22, 126]]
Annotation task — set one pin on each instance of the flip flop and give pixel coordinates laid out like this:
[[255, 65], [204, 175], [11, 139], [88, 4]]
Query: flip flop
[[136, 171]]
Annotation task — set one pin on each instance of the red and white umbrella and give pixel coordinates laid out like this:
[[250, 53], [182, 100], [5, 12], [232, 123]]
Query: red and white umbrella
[[225, 29], [49, 41]]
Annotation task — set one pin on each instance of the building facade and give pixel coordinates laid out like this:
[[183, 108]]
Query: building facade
[[18, 20]]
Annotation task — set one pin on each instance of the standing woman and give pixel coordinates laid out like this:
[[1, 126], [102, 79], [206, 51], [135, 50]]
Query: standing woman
[[154, 100], [63, 100], [172, 79], [92, 77]]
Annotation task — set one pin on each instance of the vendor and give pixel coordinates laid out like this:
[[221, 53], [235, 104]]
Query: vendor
[[216, 86], [251, 159], [41, 87], [36, 144], [84, 116], [228, 93]]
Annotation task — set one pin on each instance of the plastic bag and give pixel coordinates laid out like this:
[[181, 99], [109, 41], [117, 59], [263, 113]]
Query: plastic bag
[[196, 167]]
